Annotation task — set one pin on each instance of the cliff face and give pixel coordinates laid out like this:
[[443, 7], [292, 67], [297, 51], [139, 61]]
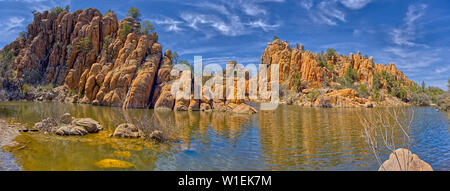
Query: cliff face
[[295, 60], [91, 54]]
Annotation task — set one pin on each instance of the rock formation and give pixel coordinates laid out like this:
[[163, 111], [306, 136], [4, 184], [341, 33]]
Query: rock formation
[[102, 61], [98, 60], [302, 70]]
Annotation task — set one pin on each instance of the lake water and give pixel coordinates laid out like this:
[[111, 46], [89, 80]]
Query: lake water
[[289, 138]]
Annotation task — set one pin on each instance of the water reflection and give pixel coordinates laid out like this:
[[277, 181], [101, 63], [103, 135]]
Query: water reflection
[[290, 138]]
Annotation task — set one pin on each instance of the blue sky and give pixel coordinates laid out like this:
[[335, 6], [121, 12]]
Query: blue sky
[[412, 34]]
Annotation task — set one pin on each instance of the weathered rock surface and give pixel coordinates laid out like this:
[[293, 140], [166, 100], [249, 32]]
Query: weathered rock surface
[[404, 160], [71, 130], [128, 130], [66, 118], [89, 124]]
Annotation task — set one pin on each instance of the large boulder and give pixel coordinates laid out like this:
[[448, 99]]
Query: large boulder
[[71, 130], [91, 125], [128, 130], [404, 160]]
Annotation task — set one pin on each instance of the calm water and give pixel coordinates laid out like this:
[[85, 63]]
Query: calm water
[[290, 138]]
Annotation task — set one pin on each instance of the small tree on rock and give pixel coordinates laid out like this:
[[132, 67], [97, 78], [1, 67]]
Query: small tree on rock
[[135, 13]]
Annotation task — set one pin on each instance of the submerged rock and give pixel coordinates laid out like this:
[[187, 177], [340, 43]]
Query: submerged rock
[[128, 130], [113, 163], [404, 160]]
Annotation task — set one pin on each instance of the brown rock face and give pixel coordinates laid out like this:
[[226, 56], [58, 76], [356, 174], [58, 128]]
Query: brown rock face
[[295, 61], [91, 54]]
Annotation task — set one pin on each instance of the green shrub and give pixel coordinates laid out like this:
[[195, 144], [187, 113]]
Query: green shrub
[[26, 88], [421, 99], [297, 82], [376, 82], [57, 10], [85, 44], [45, 87], [69, 47], [350, 75], [147, 28], [125, 30], [330, 53], [135, 13], [363, 91], [376, 95], [275, 38], [109, 11], [107, 41], [434, 93], [6, 62], [23, 34], [389, 78], [313, 95]]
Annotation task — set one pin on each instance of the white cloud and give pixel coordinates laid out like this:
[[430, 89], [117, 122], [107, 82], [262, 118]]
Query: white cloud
[[12, 25], [307, 4], [261, 24], [324, 12], [201, 22], [355, 4], [169, 23], [253, 9], [406, 35]]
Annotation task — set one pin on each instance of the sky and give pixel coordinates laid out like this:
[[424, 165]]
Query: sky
[[415, 35]]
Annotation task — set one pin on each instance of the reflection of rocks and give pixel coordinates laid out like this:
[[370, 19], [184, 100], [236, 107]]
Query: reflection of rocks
[[158, 136], [244, 108], [7, 133], [128, 130], [76, 126], [113, 163], [404, 160]]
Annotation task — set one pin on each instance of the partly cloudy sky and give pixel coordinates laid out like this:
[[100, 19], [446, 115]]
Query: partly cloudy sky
[[412, 34]]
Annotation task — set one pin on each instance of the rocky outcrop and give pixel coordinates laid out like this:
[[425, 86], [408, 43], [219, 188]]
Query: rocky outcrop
[[404, 160], [98, 60], [67, 125], [300, 69]]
